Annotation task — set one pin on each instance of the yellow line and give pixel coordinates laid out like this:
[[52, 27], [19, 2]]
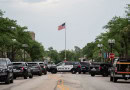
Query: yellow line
[[60, 83]]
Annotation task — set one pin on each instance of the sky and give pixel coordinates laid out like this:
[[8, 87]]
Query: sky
[[84, 19]]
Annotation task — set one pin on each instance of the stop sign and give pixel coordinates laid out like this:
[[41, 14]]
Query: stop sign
[[112, 55]]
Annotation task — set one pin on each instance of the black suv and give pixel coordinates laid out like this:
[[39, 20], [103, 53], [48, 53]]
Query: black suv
[[21, 69], [36, 68], [100, 69], [6, 71], [85, 67], [43, 67]]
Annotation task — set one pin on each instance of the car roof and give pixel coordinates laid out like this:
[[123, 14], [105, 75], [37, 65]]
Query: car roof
[[32, 62], [4, 59], [18, 62]]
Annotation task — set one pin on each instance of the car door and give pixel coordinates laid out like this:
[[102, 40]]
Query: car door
[[60, 67], [68, 66], [10, 67]]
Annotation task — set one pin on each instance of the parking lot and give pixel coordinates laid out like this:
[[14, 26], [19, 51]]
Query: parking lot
[[66, 81]]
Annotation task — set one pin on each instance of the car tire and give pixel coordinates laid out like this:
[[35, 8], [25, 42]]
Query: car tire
[[84, 72], [73, 71], [79, 72], [7, 80], [92, 75], [111, 78], [12, 80], [105, 75], [14, 77], [40, 73], [45, 72], [54, 71], [31, 76], [25, 76], [114, 79]]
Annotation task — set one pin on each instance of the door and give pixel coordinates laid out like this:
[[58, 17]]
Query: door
[[61, 67]]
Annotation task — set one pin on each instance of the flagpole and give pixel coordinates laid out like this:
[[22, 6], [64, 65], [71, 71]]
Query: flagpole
[[65, 41]]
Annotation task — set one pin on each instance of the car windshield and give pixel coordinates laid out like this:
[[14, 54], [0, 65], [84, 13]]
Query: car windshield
[[2, 62], [84, 63], [59, 63], [41, 64], [17, 64], [32, 64]]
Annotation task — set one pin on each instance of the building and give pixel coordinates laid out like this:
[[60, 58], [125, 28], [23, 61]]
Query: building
[[32, 35]]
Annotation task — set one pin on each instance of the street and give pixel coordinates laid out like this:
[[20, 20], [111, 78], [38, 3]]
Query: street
[[66, 81]]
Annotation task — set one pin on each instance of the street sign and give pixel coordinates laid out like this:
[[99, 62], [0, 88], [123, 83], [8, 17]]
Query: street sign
[[112, 55]]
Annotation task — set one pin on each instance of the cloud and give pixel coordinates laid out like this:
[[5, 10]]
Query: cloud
[[34, 1], [28, 1]]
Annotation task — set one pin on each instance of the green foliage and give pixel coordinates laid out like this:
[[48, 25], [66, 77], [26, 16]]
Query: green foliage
[[9, 30]]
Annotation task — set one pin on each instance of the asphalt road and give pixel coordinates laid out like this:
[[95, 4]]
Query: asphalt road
[[66, 81]]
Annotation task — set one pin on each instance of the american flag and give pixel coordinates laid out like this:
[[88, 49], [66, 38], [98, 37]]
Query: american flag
[[61, 26]]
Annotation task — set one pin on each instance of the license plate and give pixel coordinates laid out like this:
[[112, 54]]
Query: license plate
[[93, 69], [127, 75]]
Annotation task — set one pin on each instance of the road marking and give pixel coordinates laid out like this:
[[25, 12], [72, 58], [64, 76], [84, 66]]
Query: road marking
[[60, 83]]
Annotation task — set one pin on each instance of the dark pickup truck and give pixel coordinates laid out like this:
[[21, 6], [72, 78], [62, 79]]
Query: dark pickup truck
[[120, 69]]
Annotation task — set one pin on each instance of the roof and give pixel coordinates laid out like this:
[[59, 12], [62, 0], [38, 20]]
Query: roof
[[4, 59]]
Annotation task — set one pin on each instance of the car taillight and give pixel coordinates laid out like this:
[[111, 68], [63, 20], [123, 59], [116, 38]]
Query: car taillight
[[116, 69], [22, 68], [100, 68], [79, 66], [44, 66]]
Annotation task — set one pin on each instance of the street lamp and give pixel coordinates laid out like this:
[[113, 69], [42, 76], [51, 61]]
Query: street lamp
[[14, 40], [100, 47], [111, 43], [24, 46]]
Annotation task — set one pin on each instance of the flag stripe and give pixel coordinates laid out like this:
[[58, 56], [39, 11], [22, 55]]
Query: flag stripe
[[61, 26]]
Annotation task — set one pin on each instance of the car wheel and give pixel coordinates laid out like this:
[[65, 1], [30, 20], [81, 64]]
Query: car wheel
[[105, 75], [92, 75], [111, 78], [40, 73], [84, 72], [73, 71], [114, 79], [54, 71], [25, 77], [45, 72], [7, 80], [31, 76], [79, 72], [14, 77], [12, 80]]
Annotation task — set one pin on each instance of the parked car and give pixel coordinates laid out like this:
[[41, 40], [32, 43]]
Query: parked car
[[85, 67], [21, 69], [44, 67], [6, 70], [120, 69], [36, 68], [68, 66], [100, 69]]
